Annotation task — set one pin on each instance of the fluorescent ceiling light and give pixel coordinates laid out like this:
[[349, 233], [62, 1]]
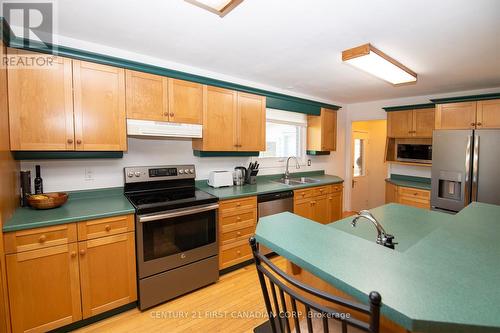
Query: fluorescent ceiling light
[[379, 64], [219, 7]]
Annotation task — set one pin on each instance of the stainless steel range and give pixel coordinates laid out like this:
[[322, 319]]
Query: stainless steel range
[[176, 232]]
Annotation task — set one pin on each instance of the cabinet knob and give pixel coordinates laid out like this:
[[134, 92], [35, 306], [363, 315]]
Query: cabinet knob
[[171, 114], [42, 238], [238, 233], [321, 189], [238, 218], [78, 142], [473, 124], [479, 124], [238, 204], [82, 252], [73, 254], [238, 252], [165, 114], [107, 227], [70, 140]]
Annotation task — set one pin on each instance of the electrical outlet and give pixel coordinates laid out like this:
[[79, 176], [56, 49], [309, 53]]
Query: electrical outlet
[[309, 162], [89, 174]]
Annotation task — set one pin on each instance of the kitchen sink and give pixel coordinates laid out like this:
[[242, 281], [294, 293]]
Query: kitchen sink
[[297, 181]]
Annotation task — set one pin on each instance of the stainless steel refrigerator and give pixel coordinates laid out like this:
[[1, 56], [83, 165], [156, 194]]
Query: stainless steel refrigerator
[[465, 168]]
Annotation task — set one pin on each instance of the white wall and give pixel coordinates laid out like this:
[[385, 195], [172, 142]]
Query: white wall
[[67, 175], [373, 111]]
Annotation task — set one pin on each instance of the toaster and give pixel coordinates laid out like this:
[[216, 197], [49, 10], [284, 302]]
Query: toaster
[[220, 178]]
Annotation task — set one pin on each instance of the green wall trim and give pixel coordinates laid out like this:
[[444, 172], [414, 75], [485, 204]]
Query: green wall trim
[[62, 155], [317, 152], [409, 107], [466, 98], [274, 100], [200, 153]]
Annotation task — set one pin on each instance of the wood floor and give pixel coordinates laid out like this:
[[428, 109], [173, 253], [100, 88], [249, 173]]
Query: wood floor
[[234, 304]]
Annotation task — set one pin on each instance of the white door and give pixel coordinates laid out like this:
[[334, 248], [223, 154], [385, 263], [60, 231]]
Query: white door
[[359, 186]]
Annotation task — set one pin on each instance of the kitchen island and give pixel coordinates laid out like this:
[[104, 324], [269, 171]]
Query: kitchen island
[[443, 275]]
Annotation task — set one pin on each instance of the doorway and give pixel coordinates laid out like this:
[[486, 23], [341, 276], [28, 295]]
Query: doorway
[[368, 168]]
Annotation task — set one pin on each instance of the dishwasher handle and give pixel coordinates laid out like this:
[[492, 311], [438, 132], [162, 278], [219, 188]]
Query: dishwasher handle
[[274, 196]]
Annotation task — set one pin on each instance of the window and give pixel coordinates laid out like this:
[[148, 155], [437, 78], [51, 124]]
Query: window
[[359, 158], [285, 135]]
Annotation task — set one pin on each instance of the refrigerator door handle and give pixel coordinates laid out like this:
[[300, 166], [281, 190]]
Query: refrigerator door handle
[[468, 151], [475, 165]]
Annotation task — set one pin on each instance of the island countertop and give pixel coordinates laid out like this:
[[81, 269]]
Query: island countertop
[[443, 276]]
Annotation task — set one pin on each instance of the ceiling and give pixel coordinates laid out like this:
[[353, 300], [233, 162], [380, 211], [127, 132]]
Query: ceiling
[[296, 45]]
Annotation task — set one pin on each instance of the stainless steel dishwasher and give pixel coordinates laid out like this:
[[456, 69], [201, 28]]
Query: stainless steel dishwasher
[[274, 203]]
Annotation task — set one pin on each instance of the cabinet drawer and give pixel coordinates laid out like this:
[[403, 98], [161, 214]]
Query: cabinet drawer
[[336, 188], [231, 207], [415, 202], [105, 227], [320, 190], [414, 193], [240, 218], [245, 233], [39, 238], [234, 253], [302, 194]]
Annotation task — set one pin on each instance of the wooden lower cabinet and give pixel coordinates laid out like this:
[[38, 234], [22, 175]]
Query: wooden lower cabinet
[[407, 196], [51, 286], [44, 288], [107, 273], [322, 204], [237, 221]]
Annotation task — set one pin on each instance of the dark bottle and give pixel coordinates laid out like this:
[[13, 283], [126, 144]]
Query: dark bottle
[[25, 187], [38, 181]]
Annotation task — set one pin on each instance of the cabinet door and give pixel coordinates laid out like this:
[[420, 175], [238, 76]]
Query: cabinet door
[[335, 206], [146, 96], [321, 213], [41, 105], [456, 115], [219, 120], [303, 208], [423, 122], [107, 273], [400, 124], [391, 193], [185, 101], [44, 288], [488, 114], [328, 130], [251, 122], [99, 91]]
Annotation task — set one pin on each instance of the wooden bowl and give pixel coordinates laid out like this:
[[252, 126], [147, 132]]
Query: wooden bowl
[[47, 200]]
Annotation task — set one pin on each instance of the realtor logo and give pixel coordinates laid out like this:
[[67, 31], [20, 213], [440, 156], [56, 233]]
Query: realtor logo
[[31, 21]]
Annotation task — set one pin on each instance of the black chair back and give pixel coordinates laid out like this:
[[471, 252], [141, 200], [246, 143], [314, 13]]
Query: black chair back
[[277, 288]]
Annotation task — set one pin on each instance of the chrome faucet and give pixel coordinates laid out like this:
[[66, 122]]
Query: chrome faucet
[[297, 166], [383, 238]]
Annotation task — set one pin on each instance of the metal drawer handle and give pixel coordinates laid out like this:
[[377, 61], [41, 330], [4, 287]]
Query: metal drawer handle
[[177, 212]]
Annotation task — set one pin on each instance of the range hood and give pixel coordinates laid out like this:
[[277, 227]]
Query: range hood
[[162, 129]]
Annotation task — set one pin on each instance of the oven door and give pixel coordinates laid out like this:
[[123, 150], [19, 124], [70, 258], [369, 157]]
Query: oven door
[[175, 238]]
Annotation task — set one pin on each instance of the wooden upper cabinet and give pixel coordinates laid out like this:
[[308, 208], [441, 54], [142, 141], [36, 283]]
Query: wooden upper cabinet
[[107, 273], [146, 96], [488, 114], [423, 122], [251, 122], [322, 131], [400, 124], [456, 115], [44, 288], [41, 105], [99, 107], [185, 101]]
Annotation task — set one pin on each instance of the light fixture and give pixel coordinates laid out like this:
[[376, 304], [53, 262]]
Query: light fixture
[[371, 60], [219, 7]]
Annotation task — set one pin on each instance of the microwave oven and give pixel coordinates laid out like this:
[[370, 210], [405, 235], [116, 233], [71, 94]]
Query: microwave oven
[[410, 152]]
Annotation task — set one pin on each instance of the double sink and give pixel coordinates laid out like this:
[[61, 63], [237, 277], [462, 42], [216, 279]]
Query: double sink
[[297, 181]]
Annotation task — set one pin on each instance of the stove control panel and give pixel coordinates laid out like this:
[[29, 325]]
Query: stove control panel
[[157, 173]]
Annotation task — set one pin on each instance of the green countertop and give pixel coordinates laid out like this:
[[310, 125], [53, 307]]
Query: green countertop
[[410, 181], [444, 275], [265, 184], [81, 205]]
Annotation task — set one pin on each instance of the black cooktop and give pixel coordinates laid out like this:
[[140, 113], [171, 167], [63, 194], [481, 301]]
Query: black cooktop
[[167, 199]]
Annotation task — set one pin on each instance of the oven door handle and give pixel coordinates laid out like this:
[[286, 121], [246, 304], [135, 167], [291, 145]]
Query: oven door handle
[[177, 212]]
